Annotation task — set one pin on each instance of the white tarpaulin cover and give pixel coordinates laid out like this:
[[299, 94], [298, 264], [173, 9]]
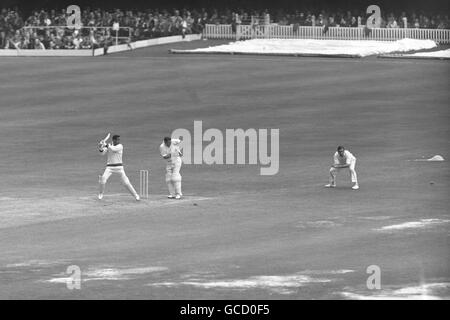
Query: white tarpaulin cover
[[433, 54], [317, 47]]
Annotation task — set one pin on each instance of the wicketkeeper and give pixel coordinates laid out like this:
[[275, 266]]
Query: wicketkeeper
[[343, 159], [170, 150]]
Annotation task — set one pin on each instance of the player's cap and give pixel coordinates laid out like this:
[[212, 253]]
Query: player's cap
[[114, 137], [340, 148]]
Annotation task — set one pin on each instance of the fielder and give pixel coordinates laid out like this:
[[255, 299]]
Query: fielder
[[343, 159], [170, 150], [114, 165]]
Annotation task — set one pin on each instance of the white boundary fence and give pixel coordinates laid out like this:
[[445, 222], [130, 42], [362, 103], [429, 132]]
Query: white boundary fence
[[152, 42], [333, 33], [219, 31]]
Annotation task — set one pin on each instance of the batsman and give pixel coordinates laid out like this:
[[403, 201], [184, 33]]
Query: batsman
[[114, 165], [170, 151]]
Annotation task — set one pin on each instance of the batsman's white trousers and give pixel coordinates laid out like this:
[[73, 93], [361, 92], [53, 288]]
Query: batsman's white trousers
[[174, 166], [116, 170], [123, 177], [173, 176], [334, 171]]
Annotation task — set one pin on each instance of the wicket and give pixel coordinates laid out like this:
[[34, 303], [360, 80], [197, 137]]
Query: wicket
[[143, 184]]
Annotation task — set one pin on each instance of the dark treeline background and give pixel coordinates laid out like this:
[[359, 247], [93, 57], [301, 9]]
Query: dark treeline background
[[389, 5]]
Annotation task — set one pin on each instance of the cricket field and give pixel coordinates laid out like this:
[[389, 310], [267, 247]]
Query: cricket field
[[236, 234]]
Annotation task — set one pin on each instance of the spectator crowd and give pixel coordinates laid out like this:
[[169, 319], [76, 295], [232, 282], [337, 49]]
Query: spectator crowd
[[44, 29]]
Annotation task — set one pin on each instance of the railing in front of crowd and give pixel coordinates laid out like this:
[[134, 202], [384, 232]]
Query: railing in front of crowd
[[115, 36], [274, 31]]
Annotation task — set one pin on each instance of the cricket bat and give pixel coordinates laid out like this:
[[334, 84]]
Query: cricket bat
[[106, 138]]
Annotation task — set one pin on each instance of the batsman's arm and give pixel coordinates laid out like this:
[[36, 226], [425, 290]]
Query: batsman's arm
[[163, 153], [102, 145], [102, 149], [113, 148], [177, 142]]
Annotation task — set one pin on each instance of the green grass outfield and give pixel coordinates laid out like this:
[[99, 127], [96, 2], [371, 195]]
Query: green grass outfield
[[249, 236]]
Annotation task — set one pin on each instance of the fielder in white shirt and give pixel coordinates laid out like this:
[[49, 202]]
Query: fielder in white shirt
[[114, 165], [343, 159], [170, 150]]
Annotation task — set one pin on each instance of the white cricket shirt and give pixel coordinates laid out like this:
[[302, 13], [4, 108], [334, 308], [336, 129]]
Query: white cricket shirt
[[173, 150], [114, 153], [346, 159]]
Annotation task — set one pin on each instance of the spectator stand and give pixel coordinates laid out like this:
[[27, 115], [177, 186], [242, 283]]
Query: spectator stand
[[100, 50], [44, 30], [64, 37], [45, 33]]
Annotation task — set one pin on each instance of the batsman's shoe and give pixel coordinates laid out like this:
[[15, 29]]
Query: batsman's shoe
[[137, 197], [100, 196], [178, 197], [170, 196], [355, 187], [330, 185]]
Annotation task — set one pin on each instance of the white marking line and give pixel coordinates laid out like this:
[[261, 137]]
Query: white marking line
[[119, 274], [432, 159], [343, 271], [277, 284], [260, 282], [430, 291], [33, 263], [59, 280], [423, 223], [112, 274]]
